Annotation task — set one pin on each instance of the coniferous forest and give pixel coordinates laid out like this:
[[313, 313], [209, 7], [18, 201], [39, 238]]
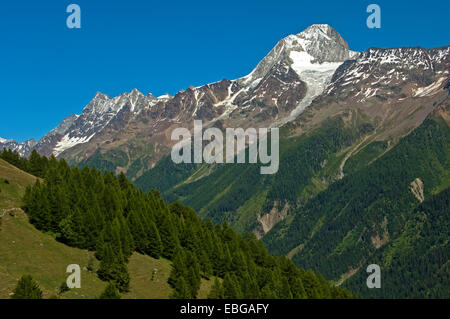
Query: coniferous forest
[[87, 209]]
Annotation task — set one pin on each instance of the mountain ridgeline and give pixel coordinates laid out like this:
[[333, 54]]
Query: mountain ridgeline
[[87, 209]]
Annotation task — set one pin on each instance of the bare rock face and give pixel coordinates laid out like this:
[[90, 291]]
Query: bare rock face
[[417, 189], [267, 221]]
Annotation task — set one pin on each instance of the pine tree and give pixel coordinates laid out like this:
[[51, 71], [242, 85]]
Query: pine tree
[[63, 288], [110, 292], [155, 246], [324, 286], [181, 289], [285, 289], [238, 264], [312, 285], [168, 238], [268, 293], [250, 289], [216, 291], [113, 268], [205, 264], [179, 267], [193, 277], [231, 288], [127, 240], [105, 254], [35, 167], [137, 228], [297, 288], [27, 288], [91, 264], [120, 275]]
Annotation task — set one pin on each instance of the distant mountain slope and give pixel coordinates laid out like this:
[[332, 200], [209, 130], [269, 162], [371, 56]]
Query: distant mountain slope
[[342, 229], [419, 258], [370, 103], [340, 194], [227, 191]]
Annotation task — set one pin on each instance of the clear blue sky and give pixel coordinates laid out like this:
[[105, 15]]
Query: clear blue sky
[[48, 71]]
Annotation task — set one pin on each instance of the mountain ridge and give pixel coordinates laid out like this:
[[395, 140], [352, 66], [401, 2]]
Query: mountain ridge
[[102, 109], [277, 90]]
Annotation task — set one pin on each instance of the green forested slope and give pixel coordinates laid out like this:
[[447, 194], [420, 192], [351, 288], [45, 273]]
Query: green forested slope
[[86, 209], [341, 230], [26, 250], [333, 226], [229, 190], [416, 264]]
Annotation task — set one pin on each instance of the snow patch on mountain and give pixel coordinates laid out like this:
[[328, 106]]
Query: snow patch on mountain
[[315, 75], [164, 97], [68, 142], [431, 89]]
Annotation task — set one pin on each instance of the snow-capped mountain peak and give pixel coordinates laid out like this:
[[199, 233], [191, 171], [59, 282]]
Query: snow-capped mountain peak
[[325, 44], [100, 96], [320, 41], [314, 54]]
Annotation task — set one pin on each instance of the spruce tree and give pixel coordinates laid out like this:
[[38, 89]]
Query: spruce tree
[[168, 238], [113, 268], [231, 288], [155, 246], [179, 267], [297, 288], [181, 289], [205, 264], [27, 288], [216, 291], [110, 292]]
